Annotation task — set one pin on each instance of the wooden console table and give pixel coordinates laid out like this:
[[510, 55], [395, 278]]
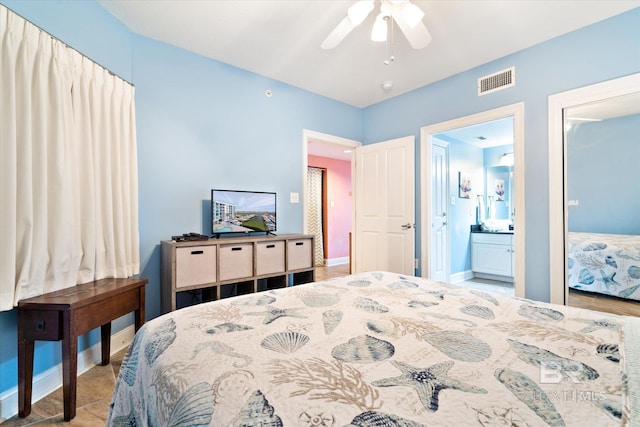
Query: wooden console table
[[66, 314]]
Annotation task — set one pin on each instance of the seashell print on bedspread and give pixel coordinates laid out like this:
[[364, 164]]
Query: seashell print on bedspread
[[605, 263], [375, 349]]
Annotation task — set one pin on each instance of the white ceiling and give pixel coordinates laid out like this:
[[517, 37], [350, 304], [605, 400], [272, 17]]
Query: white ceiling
[[485, 135], [281, 39]]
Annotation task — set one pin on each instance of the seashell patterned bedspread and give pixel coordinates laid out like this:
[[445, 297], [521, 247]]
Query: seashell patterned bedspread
[[605, 263], [380, 349]]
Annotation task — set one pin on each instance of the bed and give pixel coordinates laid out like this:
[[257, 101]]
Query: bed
[[605, 263], [380, 349]]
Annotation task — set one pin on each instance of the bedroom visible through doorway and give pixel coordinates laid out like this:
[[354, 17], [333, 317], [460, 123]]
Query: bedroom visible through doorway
[[327, 201]]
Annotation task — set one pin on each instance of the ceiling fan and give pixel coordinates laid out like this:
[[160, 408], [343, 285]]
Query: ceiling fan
[[407, 15]]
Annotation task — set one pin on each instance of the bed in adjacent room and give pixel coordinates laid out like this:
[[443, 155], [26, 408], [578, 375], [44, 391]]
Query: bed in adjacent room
[[380, 349], [605, 263]]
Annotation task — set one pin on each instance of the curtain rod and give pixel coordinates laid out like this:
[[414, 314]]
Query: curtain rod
[[70, 47]]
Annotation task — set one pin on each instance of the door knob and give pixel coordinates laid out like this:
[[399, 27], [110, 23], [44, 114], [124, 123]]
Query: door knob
[[406, 226]]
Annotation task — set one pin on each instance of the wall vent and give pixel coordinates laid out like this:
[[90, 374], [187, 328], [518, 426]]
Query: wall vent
[[497, 81]]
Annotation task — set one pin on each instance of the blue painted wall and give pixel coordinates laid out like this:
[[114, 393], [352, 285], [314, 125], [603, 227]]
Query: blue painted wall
[[203, 124], [600, 52], [200, 124], [602, 160]]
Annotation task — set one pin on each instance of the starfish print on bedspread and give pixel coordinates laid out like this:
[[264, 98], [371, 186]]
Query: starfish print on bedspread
[[276, 313], [428, 382], [607, 279]]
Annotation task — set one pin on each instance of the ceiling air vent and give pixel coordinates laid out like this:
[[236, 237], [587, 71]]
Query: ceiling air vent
[[497, 81]]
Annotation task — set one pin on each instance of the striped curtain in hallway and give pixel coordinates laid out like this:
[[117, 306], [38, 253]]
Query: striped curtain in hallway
[[314, 220]]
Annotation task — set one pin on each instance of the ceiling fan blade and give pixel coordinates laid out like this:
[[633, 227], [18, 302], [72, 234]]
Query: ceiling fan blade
[[418, 36], [338, 34]]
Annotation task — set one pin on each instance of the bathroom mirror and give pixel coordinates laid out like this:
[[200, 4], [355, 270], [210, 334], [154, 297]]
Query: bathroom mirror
[[499, 185]]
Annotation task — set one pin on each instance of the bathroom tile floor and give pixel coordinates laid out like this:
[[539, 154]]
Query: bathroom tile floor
[[493, 286]]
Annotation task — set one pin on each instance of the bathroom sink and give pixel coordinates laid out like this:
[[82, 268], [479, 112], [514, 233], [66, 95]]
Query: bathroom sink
[[496, 225]]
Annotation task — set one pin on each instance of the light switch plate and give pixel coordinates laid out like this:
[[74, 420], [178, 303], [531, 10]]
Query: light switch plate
[[294, 197]]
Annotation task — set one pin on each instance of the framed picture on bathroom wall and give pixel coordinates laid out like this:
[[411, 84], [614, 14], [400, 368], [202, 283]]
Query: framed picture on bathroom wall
[[499, 189], [464, 185]]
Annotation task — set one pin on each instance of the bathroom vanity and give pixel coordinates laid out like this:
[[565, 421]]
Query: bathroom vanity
[[492, 255]]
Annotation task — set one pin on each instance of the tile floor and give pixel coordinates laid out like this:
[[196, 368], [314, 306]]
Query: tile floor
[[487, 285], [94, 391], [323, 273], [95, 386]]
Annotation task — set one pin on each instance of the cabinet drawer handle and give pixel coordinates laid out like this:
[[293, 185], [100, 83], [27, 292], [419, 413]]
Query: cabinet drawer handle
[[197, 252], [236, 249], [271, 246], [299, 243]]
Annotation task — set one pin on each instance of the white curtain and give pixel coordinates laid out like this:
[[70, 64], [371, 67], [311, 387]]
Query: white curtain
[[68, 167]]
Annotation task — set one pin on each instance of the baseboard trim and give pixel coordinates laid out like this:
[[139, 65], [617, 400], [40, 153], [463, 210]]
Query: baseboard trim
[[495, 277], [461, 277], [336, 261], [51, 379]]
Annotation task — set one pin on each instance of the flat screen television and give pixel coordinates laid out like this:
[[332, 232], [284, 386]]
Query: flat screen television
[[242, 212]]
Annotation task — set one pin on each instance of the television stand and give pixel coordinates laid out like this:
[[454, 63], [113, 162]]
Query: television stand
[[234, 265]]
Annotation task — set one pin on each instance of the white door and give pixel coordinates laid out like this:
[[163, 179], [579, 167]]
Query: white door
[[439, 259], [384, 207]]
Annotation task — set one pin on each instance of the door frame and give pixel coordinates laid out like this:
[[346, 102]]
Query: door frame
[[307, 137], [559, 290], [426, 140]]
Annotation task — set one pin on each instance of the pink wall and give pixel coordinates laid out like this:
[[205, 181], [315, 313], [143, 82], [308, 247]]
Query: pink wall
[[338, 192]]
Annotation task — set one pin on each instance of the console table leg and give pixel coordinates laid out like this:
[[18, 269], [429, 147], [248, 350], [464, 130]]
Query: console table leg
[[105, 333], [25, 376], [139, 313], [69, 366]]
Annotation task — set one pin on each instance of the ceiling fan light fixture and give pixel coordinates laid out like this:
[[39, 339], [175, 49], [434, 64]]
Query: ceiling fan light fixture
[[412, 14], [379, 30], [359, 11], [407, 16]]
